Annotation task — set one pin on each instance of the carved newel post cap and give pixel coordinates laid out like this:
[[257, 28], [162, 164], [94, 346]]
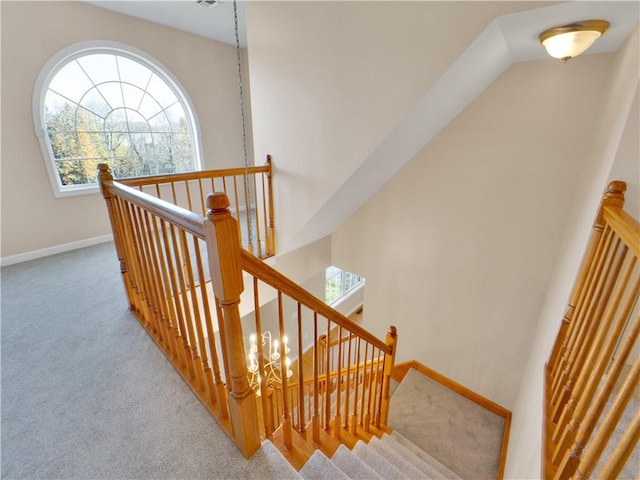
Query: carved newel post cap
[[103, 168], [617, 186], [217, 201]]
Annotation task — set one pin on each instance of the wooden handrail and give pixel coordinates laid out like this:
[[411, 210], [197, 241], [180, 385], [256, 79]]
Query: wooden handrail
[[625, 226], [189, 221], [199, 175], [275, 279]]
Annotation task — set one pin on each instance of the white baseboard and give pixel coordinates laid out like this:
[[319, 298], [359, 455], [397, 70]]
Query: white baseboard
[[45, 252]]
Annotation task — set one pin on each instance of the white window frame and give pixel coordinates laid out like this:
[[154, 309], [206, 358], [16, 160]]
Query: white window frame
[[72, 52]]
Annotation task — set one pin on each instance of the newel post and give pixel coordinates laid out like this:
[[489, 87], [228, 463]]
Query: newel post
[[223, 248], [389, 361], [104, 179]]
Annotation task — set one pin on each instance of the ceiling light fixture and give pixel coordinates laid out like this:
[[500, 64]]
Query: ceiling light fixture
[[571, 40]]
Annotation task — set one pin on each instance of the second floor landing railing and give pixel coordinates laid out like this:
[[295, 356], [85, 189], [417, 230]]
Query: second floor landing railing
[[184, 276], [250, 193]]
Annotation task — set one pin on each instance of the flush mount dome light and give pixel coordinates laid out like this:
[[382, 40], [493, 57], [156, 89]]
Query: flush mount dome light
[[571, 40]]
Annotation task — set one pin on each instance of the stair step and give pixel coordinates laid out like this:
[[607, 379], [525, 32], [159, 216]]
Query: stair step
[[352, 466], [428, 459], [377, 462], [275, 465], [300, 450], [319, 467], [395, 459], [430, 471]]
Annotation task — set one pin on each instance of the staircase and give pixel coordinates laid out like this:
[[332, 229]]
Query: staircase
[[437, 433]]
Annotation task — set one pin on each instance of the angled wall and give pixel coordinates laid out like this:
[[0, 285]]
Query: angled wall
[[331, 80], [458, 247]]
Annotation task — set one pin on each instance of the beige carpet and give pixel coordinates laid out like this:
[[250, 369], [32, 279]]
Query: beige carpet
[[460, 434]]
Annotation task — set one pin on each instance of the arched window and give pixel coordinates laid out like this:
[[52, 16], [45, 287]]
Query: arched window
[[109, 103]]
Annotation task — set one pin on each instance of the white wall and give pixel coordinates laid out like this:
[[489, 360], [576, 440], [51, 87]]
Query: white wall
[[459, 246], [612, 141], [32, 32], [331, 79]]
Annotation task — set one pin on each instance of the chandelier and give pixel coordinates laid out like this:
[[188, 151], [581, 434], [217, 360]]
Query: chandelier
[[270, 352]]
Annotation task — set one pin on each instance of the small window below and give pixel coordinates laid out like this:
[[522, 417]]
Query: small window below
[[111, 104], [339, 284]]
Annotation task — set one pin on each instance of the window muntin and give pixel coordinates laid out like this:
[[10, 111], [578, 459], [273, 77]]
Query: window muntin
[[114, 105], [339, 283]]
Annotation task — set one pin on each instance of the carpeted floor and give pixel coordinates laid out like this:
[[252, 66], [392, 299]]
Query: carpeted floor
[[460, 434], [85, 391]]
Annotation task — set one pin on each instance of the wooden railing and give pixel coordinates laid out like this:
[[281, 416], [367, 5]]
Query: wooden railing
[[593, 371], [184, 278], [347, 391], [249, 190]]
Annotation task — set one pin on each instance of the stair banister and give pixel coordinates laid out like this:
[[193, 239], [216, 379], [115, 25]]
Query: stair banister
[[223, 246]]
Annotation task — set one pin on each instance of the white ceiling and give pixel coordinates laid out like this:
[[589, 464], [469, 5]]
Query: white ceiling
[[520, 31], [216, 22]]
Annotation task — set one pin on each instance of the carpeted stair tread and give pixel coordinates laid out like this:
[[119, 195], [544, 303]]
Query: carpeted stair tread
[[394, 458], [443, 472], [352, 466], [458, 432], [273, 464], [319, 467], [377, 462]]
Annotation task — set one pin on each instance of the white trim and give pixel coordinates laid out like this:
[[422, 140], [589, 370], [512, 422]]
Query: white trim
[[74, 51], [45, 252]]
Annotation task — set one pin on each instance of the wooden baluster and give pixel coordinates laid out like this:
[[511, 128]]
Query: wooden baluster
[[337, 421], [105, 178], [357, 383], [600, 440], [271, 236], [367, 413], [202, 197], [347, 386], [184, 319], [264, 216], [623, 450], [235, 196], [257, 216], [327, 381], [592, 411], [267, 407], [389, 362], [223, 246], [286, 418], [316, 368], [222, 333], [158, 287], [247, 215], [364, 383], [198, 341], [300, 373], [614, 322], [218, 393], [374, 388], [170, 315]]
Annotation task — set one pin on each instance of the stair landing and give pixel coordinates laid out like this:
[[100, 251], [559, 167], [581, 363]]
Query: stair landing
[[456, 430]]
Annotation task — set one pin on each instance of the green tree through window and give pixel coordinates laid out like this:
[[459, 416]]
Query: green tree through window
[[111, 108]]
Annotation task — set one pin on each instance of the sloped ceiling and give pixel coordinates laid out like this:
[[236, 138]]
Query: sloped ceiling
[[508, 39]]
